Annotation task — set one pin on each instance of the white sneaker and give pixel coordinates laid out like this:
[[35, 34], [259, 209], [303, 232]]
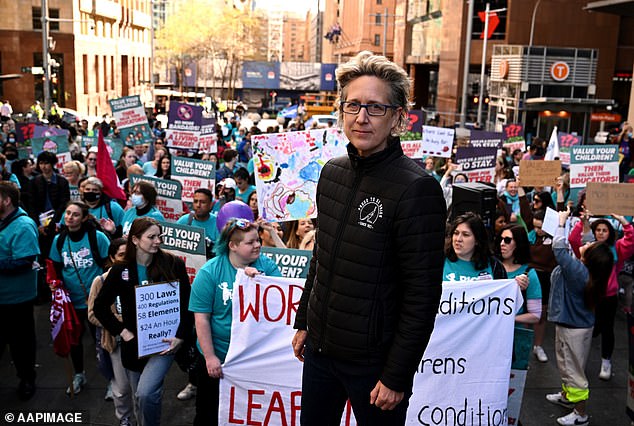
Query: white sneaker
[[109, 395], [574, 419], [559, 399], [187, 393], [540, 354], [606, 369], [79, 381]]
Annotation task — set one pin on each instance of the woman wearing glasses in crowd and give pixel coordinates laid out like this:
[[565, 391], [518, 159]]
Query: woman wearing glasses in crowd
[[468, 254], [144, 264], [91, 162], [238, 247], [513, 250]]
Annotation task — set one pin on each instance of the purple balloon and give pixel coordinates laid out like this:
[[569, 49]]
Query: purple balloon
[[233, 209]]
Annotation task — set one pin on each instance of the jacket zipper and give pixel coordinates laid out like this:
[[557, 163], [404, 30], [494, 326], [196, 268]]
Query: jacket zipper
[[333, 256]]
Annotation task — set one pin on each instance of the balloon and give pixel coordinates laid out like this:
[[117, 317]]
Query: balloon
[[233, 209]]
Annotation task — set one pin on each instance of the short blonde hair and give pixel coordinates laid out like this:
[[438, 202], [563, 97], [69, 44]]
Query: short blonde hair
[[368, 64]]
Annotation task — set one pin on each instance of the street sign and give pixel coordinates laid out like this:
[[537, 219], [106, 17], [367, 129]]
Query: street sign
[[32, 70]]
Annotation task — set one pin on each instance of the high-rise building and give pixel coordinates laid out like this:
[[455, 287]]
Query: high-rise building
[[295, 38]]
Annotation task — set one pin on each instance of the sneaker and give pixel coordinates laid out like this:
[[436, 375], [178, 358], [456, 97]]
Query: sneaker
[[125, 422], [79, 381], [188, 393], [606, 369], [109, 396], [559, 399], [540, 354], [26, 390], [574, 419]]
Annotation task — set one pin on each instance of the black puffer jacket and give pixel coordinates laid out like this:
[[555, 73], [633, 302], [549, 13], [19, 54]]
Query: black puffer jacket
[[374, 283]]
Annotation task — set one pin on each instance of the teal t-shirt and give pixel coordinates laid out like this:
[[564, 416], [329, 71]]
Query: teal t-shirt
[[84, 261], [142, 272], [18, 240], [211, 231], [212, 291], [244, 196], [461, 270], [148, 169], [130, 214], [100, 212], [534, 289]]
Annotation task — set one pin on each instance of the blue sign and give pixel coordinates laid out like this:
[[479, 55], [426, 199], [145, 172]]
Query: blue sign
[[260, 75], [328, 81]]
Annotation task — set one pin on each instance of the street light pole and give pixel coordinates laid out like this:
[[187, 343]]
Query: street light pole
[[483, 65], [467, 60], [385, 33], [530, 39], [45, 60]]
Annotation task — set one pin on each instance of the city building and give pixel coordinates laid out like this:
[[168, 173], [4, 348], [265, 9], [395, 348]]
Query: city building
[[295, 39], [100, 49]]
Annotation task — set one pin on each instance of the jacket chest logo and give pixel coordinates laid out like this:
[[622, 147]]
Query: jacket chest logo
[[370, 210]]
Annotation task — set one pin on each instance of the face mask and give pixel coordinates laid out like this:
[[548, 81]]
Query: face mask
[[629, 134], [11, 140], [91, 197], [11, 155], [137, 200]]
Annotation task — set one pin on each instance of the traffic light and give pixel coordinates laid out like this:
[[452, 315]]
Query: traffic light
[[476, 99]]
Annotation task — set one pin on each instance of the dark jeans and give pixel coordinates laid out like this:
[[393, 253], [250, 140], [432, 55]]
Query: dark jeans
[[207, 396], [604, 324], [17, 330], [77, 351], [328, 383]]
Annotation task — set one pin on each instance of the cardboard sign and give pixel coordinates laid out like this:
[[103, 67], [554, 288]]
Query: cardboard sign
[[608, 198], [437, 141], [539, 172]]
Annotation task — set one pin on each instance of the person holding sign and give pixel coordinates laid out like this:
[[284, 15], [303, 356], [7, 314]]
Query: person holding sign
[[576, 288], [146, 267], [238, 247], [373, 289]]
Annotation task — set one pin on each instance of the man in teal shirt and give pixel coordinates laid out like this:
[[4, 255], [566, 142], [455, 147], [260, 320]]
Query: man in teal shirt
[[202, 217], [18, 285]]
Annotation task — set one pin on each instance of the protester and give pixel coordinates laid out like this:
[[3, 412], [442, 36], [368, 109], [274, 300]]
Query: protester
[[119, 386], [271, 234], [18, 286], [145, 263], [296, 231], [577, 286], [252, 201], [23, 171], [151, 167], [622, 249], [73, 170], [127, 159], [229, 158], [397, 225], [165, 168], [468, 254], [201, 217], [241, 176], [143, 199], [78, 254], [91, 162], [238, 247], [108, 212], [227, 194]]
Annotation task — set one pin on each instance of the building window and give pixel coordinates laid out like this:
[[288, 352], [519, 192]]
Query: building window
[[37, 18], [379, 1], [377, 19], [377, 39]]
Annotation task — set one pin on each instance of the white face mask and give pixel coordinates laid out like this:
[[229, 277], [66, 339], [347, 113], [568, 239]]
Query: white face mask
[[137, 200]]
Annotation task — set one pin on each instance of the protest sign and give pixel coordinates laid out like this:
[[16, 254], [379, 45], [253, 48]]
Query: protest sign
[[58, 145], [630, 367], [183, 126], [88, 141], [608, 198], [40, 131], [594, 163], [158, 316], [287, 168], [262, 378], [24, 132], [514, 137], [193, 174], [482, 139], [208, 139], [292, 263], [477, 163], [566, 141], [129, 114], [169, 199], [188, 243], [437, 141], [539, 172], [415, 122]]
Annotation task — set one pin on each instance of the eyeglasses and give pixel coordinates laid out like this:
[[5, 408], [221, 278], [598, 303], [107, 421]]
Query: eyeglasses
[[375, 110], [507, 240]]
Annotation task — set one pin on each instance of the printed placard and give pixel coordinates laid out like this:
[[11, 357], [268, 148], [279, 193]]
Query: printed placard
[[594, 163], [158, 316], [477, 163], [186, 242], [183, 126], [208, 139], [193, 174], [566, 141], [58, 145], [292, 263], [608, 198], [514, 137], [131, 120], [482, 139], [539, 172]]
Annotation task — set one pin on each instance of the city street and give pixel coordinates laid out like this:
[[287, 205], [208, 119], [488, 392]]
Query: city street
[[606, 405]]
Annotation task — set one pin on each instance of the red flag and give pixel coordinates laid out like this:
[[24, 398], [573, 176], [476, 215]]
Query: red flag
[[106, 172], [65, 325]]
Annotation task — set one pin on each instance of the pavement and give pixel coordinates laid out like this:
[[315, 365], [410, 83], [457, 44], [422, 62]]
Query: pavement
[[606, 405]]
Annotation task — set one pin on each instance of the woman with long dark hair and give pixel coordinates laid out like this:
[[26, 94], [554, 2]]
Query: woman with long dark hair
[[576, 289], [144, 264]]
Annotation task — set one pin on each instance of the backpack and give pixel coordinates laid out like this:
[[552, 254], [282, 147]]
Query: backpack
[[93, 227]]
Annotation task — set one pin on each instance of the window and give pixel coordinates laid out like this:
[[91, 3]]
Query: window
[[377, 19], [379, 1], [377, 39], [37, 18]]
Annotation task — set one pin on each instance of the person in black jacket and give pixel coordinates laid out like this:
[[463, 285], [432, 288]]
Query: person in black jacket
[[145, 264], [374, 284]]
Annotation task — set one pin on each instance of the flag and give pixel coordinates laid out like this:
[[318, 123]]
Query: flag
[[65, 325], [552, 151], [106, 172]]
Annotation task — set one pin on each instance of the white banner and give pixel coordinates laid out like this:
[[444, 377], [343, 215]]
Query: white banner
[[468, 357]]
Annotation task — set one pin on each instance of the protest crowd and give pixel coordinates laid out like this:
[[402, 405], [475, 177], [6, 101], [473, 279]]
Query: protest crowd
[[88, 211]]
